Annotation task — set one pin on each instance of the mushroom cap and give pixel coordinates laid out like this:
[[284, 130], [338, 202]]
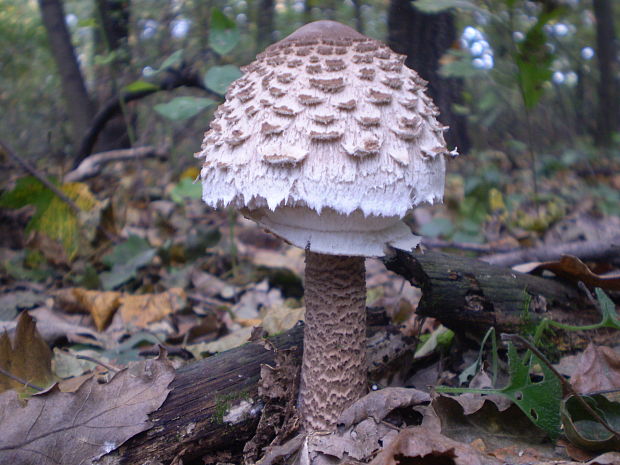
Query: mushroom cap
[[328, 140]]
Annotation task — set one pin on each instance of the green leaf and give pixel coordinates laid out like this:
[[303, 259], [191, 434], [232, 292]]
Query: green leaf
[[126, 251], [608, 309], [437, 6], [219, 78], [126, 259], [53, 217], [224, 35], [583, 430], [141, 86], [440, 337], [534, 59], [172, 60], [182, 108], [540, 400], [28, 191], [186, 189]]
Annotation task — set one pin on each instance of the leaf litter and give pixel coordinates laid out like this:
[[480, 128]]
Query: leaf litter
[[230, 273], [71, 428]]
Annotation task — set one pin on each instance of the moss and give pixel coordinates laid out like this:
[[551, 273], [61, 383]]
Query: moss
[[223, 404]]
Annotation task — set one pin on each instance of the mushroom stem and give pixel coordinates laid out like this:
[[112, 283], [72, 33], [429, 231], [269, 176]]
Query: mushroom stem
[[334, 368]]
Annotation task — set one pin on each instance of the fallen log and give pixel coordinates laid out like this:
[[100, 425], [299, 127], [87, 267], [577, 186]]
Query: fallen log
[[214, 405], [471, 296]]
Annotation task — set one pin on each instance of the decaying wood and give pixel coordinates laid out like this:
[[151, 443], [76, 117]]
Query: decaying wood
[[213, 404], [470, 296]]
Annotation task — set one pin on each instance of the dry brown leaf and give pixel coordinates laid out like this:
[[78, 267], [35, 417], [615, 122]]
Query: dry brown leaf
[[573, 269], [140, 310], [54, 326], [28, 357], [378, 404], [73, 384], [100, 305], [420, 445], [76, 428], [498, 427], [597, 369]]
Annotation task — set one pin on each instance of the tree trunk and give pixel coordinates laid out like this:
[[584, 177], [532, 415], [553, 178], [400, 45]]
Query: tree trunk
[[359, 21], [79, 106], [425, 38], [308, 4], [113, 38], [608, 109], [264, 23]]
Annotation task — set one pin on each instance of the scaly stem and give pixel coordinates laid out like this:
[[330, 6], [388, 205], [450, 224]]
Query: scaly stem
[[334, 368]]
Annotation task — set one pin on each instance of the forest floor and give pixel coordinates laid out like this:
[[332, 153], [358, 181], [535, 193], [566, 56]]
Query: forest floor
[[147, 266]]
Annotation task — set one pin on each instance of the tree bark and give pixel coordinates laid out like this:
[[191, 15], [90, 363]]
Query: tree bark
[[191, 423], [113, 38], [79, 106], [470, 296], [359, 21], [333, 371], [608, 110], [264, 23], [424, 39]]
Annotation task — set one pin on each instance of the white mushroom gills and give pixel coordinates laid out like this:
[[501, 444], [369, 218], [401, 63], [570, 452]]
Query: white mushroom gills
[[328, 141]]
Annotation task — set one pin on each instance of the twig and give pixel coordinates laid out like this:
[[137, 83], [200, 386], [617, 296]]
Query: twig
[[40, 176], [19, 380], [92, 165], [98, 362], [607, 250], [565, 384]]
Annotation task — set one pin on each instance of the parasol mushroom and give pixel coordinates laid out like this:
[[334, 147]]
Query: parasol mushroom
[[328, 141]]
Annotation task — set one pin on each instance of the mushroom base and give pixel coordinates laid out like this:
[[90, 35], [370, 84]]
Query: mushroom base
[[334, 367], [334, 233]]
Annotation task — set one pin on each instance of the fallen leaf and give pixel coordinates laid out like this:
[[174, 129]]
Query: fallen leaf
[[230, 341], [27, 357], [77, 428], [586, 431], [420, 445], [279, 318], [73, 384], [378, 404], [573, 269], [610, 458], [100, 305], [140, 310], [598, 369], [67, 365], [12, 302]]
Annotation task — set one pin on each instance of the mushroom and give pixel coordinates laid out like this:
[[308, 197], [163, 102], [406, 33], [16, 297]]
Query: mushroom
[[328, 141]]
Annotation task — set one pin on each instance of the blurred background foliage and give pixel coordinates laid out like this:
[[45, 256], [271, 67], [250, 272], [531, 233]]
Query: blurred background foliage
[[529, 88]]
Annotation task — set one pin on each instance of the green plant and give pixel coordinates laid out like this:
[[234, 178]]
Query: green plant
[[540, 400]]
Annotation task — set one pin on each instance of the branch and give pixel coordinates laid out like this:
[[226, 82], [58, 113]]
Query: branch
[[180, 77], [92, 165], [41, 177], [607, 250]]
